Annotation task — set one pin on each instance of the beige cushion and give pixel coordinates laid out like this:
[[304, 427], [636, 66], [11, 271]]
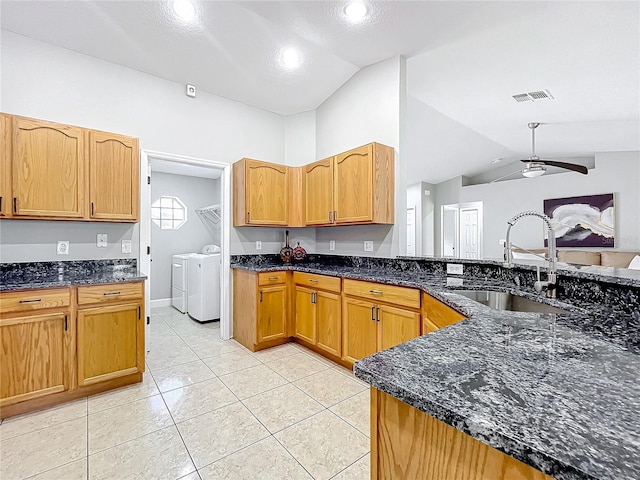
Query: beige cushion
[[617, 259], [579, 257]]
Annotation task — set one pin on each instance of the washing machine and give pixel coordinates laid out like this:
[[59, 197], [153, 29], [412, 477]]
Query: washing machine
[[203, 284], [179, 281]]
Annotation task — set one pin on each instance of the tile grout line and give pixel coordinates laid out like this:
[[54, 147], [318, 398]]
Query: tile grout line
[[87, 457], [351, 465]]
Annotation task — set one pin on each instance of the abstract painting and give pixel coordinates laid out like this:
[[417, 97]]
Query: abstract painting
[[586, 221]]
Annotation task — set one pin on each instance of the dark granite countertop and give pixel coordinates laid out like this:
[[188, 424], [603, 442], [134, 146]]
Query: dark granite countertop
[[559, 392], [25, 276]]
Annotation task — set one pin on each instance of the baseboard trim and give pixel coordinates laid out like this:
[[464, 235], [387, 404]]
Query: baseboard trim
[[161, 302]]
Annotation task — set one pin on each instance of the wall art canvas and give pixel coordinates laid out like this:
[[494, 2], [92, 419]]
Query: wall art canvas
[[586, 221]]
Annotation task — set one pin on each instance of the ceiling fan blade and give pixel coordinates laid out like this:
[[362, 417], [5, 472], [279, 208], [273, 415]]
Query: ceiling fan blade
[[505, 176], [568, 166]]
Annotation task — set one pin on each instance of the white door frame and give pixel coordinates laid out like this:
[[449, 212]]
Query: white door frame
[[458, 208], [412, 209], [145, 228]]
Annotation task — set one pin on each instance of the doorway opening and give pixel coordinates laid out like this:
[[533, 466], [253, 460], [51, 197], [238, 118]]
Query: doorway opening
[[185, 209], [461, 233]]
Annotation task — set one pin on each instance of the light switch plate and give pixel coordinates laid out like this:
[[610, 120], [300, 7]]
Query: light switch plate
[[63, 247], [332, 245], [455, 282], [258, 245], [368, 245], [126, 246], [101, 240], [455, 269]]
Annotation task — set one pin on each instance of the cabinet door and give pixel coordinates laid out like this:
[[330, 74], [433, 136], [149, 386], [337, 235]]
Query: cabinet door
[[353, 188], [5, 165], [266, 193], [114, 166], [319, 192], [396, 326], [359, 329], [48, 169], [34, 359], [272, 313], [305, 315], [110, 342], [329, 322]]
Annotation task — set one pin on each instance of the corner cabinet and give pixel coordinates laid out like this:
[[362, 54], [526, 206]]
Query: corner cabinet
[[437, 315], [114, 176], [260, 193], [51, 171], [48, 169]]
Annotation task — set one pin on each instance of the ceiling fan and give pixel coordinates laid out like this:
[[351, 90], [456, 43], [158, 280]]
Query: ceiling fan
[[536, 166]]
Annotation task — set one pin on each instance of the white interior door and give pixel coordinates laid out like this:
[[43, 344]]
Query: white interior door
[[449, 231], [469, 229], [144, 264], [411, 231]]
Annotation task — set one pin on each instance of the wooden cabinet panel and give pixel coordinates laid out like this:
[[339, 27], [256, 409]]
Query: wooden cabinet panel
[[319, 192], [329, 322], [378, 292], [260, 193], [323, 282], [305, 306], [271, 278], [26, 301], [272, 313], [353, 195], [396, 326], [48, 169], [114, 166], [439, 314], [110, 342], [359, 329], [110, 293], [33, 358], [5, 165]]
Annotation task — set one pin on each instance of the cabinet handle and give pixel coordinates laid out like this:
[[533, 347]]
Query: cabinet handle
[[0, 204], [313, 297], [139, 312], [375, 292], [106, 294], [15, 205], [377, 314], [273, 279], [66, 323], [330, 220], [335, 216], [313, 281], [373, 312], [36, 300], [93, 208], [248, 217], [260, 296]]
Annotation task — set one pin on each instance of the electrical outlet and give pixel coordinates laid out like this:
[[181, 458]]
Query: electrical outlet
[[63, 247], [101, 240], [455, 269], [501, 242], [258, 245], [368, 245], [332, 245], [126, 246]]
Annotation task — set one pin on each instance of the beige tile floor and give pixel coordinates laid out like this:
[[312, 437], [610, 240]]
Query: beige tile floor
[[207, 409]]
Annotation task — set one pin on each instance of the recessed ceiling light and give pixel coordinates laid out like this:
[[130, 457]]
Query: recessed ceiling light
[[185, 10], [355, 12], [290, 58], [497, 160]]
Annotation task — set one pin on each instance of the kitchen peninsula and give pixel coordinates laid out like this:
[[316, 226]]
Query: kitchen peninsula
[[502, 395]]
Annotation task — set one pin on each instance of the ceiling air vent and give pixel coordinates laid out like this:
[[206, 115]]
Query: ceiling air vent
[[533, 96]]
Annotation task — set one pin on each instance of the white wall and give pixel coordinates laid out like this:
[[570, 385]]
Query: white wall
[[300, 139], [367, 108], [414, 199], [52, 83], [194, 192], [617, 172]]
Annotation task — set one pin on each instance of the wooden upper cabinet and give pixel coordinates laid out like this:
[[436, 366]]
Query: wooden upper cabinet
[[48, 169], [114, 166], [364, 185], [260, 193], [5, 165], [319, 192]]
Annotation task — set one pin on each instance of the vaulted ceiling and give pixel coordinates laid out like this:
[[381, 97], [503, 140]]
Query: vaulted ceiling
[[465, 60]]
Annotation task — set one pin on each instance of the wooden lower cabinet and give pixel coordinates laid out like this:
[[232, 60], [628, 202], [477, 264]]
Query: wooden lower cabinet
[[407, 444], [329, 322], [359, 329], [34, 360], [272, 313], [397, 326], [306, 319], [437, 315], [110, 342]]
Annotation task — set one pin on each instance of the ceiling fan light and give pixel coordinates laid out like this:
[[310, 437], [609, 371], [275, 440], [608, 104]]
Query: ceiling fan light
[[535, 171]]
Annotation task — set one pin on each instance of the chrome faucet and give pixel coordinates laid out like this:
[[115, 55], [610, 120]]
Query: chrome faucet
[[549, 286]]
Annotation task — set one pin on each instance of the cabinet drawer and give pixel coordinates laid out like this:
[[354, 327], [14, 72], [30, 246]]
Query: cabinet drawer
[[113, 292], [271, 278], [322, 282], [408, 297], [24, 301]]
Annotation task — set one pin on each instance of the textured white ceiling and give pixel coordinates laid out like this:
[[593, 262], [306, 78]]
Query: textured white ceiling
[[176, 168], [465, 60]]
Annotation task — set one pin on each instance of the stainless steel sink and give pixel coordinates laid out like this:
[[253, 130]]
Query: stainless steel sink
[[508, 301]]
